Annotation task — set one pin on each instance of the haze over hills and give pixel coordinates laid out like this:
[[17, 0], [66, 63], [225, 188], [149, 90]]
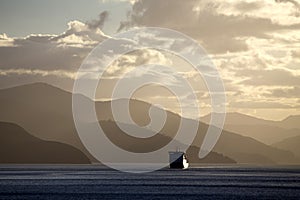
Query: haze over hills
[[290, 144], [266, 131], [239, 118], [155, 142], [46, 112], [291, 122], [242, 149], [18, 146]]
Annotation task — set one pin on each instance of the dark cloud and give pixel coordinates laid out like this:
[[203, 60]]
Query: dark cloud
[[218, 32], [248, 6], [32, 55], [98, 23]]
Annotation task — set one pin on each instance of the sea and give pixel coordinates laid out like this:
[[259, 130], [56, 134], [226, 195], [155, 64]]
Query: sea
[[99, 182]]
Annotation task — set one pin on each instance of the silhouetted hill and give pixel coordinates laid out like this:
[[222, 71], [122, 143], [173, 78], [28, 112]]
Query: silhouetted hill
[[266, 131], [212, 157], [291, 144], [43, 110], [18, 146], [46, 112]]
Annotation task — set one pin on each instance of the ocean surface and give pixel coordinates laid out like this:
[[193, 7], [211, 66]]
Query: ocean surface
[[98, 182]]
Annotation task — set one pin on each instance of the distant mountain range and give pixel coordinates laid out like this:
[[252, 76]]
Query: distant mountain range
[[291, 144], [238, 118], [266, 131], [46, 113]]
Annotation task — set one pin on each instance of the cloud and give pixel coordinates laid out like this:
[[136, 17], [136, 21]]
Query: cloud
[[248, 6], [58, 73], [295, 3], [290, 92], [254, 43], [98, 23], [261, 105], [50, 52], [276, 77], [84, 31], [6, 41], [204, 21], [47, 57], [296, 54], [286, 13]]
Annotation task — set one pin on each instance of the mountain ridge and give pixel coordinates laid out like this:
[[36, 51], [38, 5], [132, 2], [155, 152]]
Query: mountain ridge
[[290, 144], [266, 131], [50, 112]]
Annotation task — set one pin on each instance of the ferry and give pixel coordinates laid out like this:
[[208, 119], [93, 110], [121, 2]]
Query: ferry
[[178, 160]]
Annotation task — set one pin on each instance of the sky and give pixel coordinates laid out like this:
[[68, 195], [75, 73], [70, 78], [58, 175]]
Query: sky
[[21, 18], [255, 44]]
